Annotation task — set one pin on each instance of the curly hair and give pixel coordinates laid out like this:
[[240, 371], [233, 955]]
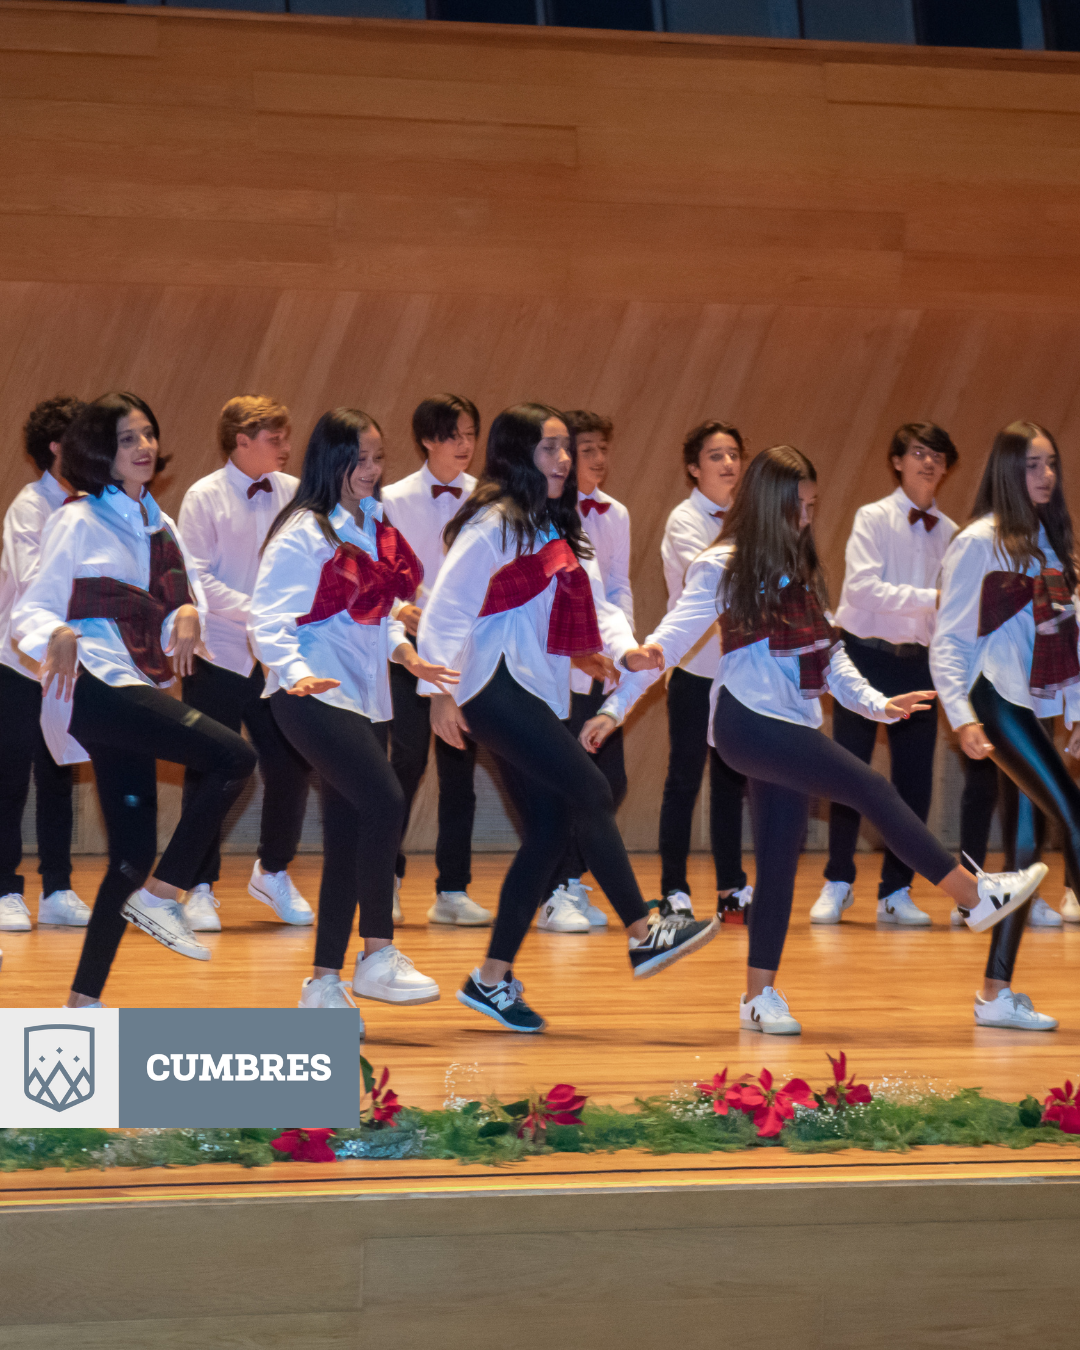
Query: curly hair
[[46, 426]]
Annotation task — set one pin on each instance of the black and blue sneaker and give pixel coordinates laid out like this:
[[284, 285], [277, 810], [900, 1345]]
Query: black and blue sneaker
[[501, 1001], [671, 937]]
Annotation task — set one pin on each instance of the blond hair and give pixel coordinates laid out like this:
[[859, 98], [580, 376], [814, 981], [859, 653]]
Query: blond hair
[[248, 415]]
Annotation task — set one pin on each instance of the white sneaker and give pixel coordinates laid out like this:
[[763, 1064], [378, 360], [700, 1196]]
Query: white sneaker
[[164, 920], [768, 1012], [1000, 893], [276, 889], [1015, 1011], [560, 914], [390, 977], [900, 908], [201, 908], [580, 893], [957, 918], [835, 897], [1070, 907], [86, 1007], [14, 916], [398, 920], [680, 903], [1040, 915], [328, 992], [63, 908], [458, 907]]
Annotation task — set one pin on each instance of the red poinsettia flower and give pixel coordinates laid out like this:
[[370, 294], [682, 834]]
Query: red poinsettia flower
[[843, 1094], [561, 1106], [305, 1145], [384, 1103], [1063, 1105], [771, 1106], [719, 1092]]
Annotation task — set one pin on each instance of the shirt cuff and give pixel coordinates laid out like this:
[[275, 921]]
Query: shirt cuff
[[36, 642], [292, 672]]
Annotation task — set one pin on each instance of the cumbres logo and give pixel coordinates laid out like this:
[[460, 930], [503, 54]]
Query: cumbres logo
[[238, 1068], [58, 1065]]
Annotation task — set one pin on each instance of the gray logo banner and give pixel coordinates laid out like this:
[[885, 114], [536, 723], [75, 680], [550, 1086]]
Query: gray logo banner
[[58, 1065]]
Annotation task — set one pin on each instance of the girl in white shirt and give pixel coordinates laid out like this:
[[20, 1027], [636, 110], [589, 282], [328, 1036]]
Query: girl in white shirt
[[331, 571], [518, 599], [1004, 654], [779, 655]]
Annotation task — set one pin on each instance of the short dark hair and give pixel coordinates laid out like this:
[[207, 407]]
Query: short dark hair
[[695, 439], [926, 433], [582, 422], [88, 448], [46, 424], [436, 418]]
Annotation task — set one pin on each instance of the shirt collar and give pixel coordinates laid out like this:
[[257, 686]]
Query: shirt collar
[[55, 493], [596, 495], [431, 481], [241, 482], [341, 519], [705, 505], [128, 510], [905, 503]]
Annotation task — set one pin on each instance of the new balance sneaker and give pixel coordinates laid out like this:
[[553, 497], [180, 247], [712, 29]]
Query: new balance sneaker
[[1070, 907], [1014, 1011], [900, 908], [680, 903], [835, 897], [502, 1002], [165, 921], [1000, 893], [63, 908], [560, 914], [276, 889], [580, 892], [768, 1012], [669, 940], [14, 915], [458, 907], [398, 920], [328, 991], [201, 908], [958, 917], [1040, 915], [388, 976]]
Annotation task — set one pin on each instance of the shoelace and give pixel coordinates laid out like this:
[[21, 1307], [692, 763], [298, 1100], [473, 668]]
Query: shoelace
[[177, 911], [205, 895], [774, 1001], [15, 903], [402, 962]]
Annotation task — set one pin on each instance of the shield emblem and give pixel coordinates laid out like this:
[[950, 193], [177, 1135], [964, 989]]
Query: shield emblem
[[59, 1065]]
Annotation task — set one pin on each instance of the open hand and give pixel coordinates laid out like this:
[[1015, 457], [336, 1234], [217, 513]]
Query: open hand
[[440, 676], [61, 660], [312, 684], [186, 641], [903, 705], [596, 731], [448, 721], [644, 658]]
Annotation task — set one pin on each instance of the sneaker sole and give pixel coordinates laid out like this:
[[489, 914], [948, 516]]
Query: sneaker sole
[[63, 923], [458, 923], [398, 1002], [664, 959], [205, 928], [1013, 1026], [305, 922], [161, 935], [462, 997], [769, 1031], [1021, 898], [892, 920]]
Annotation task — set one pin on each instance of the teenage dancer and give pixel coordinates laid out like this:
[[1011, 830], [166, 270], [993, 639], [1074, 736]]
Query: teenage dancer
[[1004, 655], [886, 617], [445, 429], [780, 654], [330, 573], [22, 746], [518, 598], [713, 456], [607, 524], [224, 519], [114, 596]]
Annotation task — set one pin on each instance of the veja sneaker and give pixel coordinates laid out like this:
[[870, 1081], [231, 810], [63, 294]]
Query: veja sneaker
[[1014, 1011], [201, 908], [388, 976], [900, 908], [580, 892], [398, 920], [1000, 893], [1070, 907], [63, 908], [502, 1002], [560, 914], [669, 940], [680, 903], [165, 921], [835, 897], [1040, 915], [768, 1012], [276, 889], [458, 907], [14, 915]]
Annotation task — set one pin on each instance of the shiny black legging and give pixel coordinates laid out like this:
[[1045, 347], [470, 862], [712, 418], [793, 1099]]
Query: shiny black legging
[[1024, 751]]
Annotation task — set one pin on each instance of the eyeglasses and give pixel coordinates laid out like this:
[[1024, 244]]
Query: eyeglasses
[[934, 456]]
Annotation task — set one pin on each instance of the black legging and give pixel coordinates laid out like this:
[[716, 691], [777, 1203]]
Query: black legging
[[552, 780], [786, 764], [125, 729], [1024, 751], [363, 807]]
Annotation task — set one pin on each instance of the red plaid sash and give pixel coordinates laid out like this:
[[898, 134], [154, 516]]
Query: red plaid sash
[[363, 586], [797, 628], [139, 614], [1054, 661], [572, 628]]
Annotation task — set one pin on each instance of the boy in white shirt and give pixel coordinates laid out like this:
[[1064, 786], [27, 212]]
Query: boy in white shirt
[[445, 429], [224, 520]]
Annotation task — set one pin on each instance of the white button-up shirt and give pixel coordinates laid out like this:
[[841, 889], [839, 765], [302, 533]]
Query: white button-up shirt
[[452, 633], [692, 526], [23, 526], [891, 572], [958, 656], [224, 529], [421, 518], [337, 648], [609, 534]]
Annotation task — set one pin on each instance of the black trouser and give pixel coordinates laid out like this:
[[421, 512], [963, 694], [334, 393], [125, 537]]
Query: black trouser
[[410, 739], [786, 764], [978, 801], [552, 780], [911, 750], [125, 730], [1026, 754], [608, 759], [22, 751], [362, 806], [688, 748], [235, 701]]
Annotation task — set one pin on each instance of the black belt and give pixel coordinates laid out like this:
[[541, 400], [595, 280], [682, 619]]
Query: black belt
[[905, 651]]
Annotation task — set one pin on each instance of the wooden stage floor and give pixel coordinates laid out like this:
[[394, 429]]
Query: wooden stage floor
[[898, 1001]]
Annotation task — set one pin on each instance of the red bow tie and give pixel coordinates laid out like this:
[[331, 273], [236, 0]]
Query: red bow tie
[[717, 515], [588, 504], [263, 485], [437, 490], [915, 515]]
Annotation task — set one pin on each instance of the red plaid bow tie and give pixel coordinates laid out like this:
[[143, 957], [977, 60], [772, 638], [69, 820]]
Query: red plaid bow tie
[[364, 587], [572, 626], [588, 504], [437, 490], [263, 485], [915, 515], [1054, 661], [797, 627]]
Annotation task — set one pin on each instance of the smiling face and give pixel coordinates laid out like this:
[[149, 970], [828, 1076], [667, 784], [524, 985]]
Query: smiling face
[[552, 455], [136, 453], [1041, 470], [592, 460], [718, 468], [921, 471], [807, 503], [364, 479], [446, 459]]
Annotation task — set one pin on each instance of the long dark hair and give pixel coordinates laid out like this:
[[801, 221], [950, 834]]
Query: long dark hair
[[88, 446], [763, 524], [333, 451], [1003, 492], [512, 481]]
